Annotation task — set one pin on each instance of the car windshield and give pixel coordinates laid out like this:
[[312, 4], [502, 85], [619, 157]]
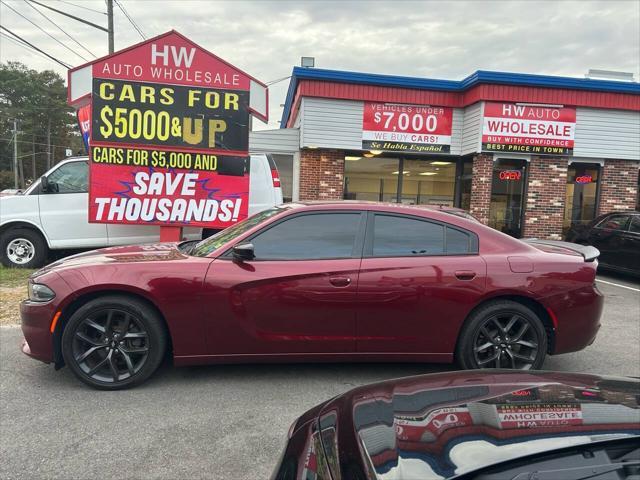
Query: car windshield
[[209, 245]]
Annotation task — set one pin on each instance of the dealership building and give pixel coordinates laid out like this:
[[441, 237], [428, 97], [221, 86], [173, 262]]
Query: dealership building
[[530, 155]]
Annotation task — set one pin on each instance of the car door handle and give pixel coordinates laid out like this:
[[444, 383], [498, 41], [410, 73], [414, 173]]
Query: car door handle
[[465, 275], [340, 281]]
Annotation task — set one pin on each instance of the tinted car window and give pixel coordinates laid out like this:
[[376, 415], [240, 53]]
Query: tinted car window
[[635, 224], [457, 241], [615, 222], [309, 237], [69, 178], [402, 236]]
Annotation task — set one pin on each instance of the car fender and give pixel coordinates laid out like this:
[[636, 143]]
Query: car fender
[[10, 224], [180, 326]]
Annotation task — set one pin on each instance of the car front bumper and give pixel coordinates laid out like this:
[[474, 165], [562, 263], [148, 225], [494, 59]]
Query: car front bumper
[[36, 328]]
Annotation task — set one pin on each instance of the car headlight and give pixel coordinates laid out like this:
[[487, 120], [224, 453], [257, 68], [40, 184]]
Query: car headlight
[[40, 293]]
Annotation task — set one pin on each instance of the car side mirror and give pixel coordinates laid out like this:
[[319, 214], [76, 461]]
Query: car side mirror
[[243, 252], [44, 184]]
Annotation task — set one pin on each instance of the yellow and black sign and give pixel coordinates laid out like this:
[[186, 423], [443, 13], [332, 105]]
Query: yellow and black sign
[[159, 160], [136, 113]]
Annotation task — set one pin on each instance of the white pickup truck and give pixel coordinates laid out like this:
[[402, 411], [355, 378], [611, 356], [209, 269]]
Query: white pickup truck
[[36, 221]]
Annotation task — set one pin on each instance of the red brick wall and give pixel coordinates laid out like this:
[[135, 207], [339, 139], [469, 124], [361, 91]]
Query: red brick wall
[[321, 174], [546, 192], [618, 185], [481, 186]]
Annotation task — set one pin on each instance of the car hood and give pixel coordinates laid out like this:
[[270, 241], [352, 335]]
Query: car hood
[[444, 425], [156, 252]]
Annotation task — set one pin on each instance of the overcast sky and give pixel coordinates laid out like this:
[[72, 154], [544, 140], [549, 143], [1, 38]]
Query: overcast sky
[[266, 39]]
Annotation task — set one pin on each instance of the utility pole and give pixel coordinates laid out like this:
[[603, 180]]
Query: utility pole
[[33, 156], [15, 153], [48, 143], [110, 24]]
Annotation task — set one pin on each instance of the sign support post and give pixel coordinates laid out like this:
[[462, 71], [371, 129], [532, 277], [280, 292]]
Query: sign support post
[[170, 234]]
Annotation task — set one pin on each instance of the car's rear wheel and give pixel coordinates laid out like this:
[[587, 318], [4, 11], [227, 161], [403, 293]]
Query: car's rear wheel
[[502, 334], [114, 342]]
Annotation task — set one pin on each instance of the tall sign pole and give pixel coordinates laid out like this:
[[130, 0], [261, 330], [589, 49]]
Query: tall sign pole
[[168, 135], [110, 25]]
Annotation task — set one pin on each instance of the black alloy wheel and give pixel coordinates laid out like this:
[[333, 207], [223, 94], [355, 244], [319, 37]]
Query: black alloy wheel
[[114, 342], [503, 334], [110, 345]]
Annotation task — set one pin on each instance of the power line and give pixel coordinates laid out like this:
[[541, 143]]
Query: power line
[[72, 134], [23, 45], [60, 28], [43, 30], [278, 80], [31, 154], [31, 106], [81, 20], [60, 62], [80, 6], [126, 14], [36, 143], [14, 40]]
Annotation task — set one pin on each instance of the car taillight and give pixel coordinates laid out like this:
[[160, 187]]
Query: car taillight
[[276, 177]]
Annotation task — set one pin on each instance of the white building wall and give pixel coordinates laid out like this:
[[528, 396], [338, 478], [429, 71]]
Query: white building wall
[[456, 131], [329, 123], [281, 140], [471, 129], [602, 133]]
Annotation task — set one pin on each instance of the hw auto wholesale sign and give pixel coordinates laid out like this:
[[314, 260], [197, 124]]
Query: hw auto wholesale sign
[[406, 128], [169, 136], [539, 129]]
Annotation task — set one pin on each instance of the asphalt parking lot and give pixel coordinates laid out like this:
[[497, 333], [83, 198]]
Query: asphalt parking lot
[[219, 422]]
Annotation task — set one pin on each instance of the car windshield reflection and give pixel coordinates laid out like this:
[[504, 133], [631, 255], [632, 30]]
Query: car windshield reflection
[[211, 244]]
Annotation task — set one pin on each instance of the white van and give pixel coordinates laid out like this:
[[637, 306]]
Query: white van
[[34, 222]]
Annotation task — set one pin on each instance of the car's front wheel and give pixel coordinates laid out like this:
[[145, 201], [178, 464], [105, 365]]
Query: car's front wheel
[[114, 342], [22, 248], [502, 334]]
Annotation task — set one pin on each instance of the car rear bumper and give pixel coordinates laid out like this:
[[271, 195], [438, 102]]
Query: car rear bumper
[[36, 323], [578, 318]]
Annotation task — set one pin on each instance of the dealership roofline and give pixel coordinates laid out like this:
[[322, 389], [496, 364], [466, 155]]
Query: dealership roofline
[[476, 78]]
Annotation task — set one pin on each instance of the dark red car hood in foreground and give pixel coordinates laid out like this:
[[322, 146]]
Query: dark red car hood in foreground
[[444, 425], [124, 254]]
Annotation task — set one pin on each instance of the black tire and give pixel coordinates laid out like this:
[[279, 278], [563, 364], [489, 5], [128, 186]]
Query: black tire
[[144, 330], [481, 338], [34, 242]]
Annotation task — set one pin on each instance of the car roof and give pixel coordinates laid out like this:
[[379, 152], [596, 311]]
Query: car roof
[[370, 205]]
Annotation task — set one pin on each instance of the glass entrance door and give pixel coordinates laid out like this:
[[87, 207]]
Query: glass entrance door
[[582, 194], [507, 195]]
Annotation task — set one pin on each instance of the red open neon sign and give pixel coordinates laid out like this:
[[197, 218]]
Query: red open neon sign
[[584, 179], [521, 393], [510, 175]]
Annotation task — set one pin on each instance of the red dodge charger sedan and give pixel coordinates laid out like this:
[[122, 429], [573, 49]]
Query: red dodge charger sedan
[[316, 282]]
